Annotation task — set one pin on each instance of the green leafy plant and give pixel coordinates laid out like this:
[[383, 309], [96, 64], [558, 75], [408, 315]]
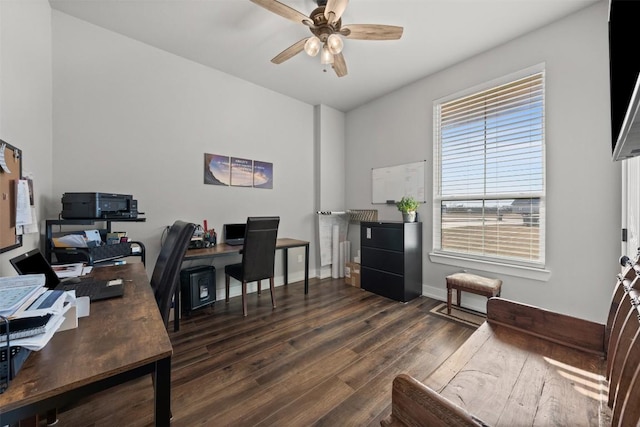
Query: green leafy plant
[[407, 204]]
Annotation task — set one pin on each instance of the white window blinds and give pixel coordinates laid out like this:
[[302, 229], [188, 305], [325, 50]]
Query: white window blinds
[[490, 182]]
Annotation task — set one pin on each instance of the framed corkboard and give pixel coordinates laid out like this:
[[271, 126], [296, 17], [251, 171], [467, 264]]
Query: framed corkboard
[[10, 173]]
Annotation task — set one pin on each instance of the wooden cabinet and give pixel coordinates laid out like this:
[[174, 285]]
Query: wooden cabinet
[[392, 259]]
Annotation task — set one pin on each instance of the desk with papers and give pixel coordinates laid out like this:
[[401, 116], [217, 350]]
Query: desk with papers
[[122, 339]]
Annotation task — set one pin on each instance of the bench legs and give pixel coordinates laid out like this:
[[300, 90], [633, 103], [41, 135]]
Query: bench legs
[[471, 283], [449, 292], [459, 297]]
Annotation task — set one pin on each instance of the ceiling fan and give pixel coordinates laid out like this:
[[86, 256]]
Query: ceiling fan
[[326, 27]]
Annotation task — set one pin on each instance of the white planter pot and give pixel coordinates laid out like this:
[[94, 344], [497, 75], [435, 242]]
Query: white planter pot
[[409, 216]]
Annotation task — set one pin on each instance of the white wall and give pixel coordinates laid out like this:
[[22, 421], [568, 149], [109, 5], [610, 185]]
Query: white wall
[[583, 184], [129, 118], [330, 166], [25, 99]]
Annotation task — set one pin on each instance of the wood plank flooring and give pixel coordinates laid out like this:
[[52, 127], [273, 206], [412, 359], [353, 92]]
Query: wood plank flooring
[[324, 359]]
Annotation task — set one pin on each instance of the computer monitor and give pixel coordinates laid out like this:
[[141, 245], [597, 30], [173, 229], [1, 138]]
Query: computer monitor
[[234, 233], [33, 262]]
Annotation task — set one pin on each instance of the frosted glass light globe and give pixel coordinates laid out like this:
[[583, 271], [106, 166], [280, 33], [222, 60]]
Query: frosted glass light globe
[[335, 44], [326, 57], [312, 46]]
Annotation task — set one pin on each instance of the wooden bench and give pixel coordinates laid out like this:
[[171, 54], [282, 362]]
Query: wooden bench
[[529, 366], [471, 283]]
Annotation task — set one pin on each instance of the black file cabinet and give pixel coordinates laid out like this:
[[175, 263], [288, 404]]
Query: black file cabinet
[[392, 259]]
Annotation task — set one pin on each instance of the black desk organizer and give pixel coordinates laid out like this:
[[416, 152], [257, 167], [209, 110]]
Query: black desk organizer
[[91, 256]]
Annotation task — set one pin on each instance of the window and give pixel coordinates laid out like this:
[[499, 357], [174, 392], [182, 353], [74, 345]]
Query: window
[[489, 178]]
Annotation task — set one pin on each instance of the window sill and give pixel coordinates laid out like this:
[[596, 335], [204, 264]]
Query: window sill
[[539, 274]]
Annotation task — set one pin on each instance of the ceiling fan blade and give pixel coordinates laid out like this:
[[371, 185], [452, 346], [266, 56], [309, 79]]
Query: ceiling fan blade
[[371, 32], [339, 66], [334, 9], [290, 52], [284, 11]]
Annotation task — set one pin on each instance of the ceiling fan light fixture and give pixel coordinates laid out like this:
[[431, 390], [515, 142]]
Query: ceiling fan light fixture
[[326, 57], [327, 32], [312, 46], [335, 44]]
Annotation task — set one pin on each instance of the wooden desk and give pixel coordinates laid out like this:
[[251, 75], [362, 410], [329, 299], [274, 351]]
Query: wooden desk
[[122, 339], [222, 249]]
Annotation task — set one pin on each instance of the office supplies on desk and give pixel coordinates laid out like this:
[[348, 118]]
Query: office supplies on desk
[[16, 291], [64, 271], [33, 323], [38, 341], [93, 236], [234, 233], [70, 241], [27, 310], [25, 327], [33, 262], [50, 302], [75, 364]]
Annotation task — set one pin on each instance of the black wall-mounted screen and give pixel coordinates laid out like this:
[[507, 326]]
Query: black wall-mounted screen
[[624, 59]]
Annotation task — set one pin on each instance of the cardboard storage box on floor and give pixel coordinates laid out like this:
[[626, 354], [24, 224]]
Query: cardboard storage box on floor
[[352, 274]]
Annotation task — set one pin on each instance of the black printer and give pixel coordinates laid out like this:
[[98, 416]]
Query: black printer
[[99, 206]]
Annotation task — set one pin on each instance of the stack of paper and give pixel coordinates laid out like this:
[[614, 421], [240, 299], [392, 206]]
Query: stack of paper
[[16, 291], [33, 312], [68, 270]]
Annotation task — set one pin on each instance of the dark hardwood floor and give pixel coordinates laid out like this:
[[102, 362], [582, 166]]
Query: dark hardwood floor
[[325, 359]]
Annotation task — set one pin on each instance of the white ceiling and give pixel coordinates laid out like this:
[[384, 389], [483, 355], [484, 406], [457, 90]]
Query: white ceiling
[[240, 38]]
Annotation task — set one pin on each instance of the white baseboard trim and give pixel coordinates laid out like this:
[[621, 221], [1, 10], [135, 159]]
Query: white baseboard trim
[[324, 272]]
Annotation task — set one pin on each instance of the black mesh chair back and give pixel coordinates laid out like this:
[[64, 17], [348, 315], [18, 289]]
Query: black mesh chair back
[[259, 250], [166, 272]]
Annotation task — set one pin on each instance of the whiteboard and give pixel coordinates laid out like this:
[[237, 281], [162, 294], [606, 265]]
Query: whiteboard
[[390, 184]]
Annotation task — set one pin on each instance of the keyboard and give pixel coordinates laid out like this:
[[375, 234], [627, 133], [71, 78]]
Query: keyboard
[[95, 289], [83, 289]]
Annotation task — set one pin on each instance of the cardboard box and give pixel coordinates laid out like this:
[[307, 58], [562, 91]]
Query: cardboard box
[[355, 278], [348, 267], [352, 274]]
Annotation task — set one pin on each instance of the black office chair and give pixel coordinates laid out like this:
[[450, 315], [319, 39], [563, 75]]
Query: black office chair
[[166, 272], [258, 257]]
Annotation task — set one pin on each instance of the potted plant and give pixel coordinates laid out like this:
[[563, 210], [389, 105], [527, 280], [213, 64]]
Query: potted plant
[[408, 206]]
